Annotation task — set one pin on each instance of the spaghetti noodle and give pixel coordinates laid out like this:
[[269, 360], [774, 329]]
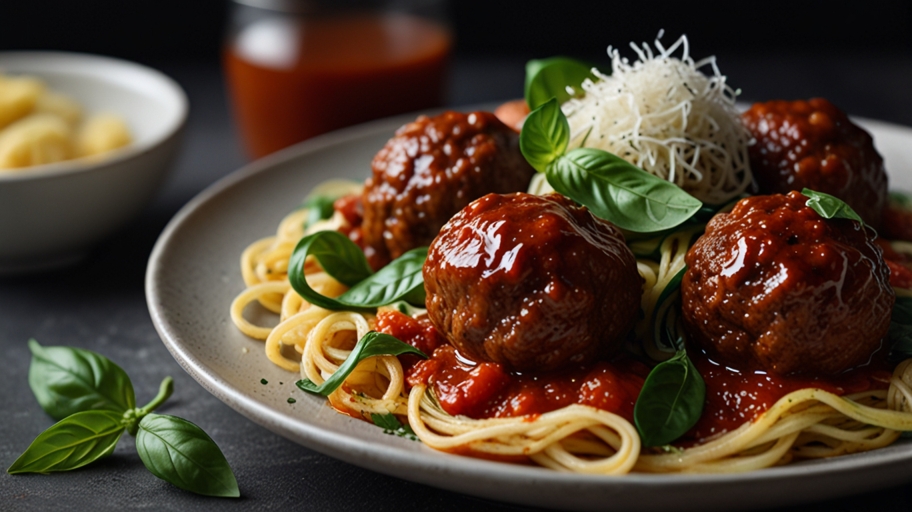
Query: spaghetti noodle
[[808, 423]]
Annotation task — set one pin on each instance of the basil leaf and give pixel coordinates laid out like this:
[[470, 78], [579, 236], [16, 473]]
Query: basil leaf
[[391, 425], [342, 259], [371, 344], [322, 198], [899, 336], [900, 200], [180, 453], [337, 254], [549, 78], [829, 207], [670, 402], [71, 443], [545, 135], [617, 191], [68, 380], [318, 208]]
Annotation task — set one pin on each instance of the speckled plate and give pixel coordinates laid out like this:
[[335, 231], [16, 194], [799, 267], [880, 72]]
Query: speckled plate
[[194, 274]]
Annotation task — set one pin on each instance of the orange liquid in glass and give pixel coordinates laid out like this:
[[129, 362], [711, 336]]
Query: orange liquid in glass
[[291, 80]]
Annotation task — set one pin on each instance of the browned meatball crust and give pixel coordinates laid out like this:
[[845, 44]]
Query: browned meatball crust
[[774, 286], [813, 144], [430, 170], [533, 283]]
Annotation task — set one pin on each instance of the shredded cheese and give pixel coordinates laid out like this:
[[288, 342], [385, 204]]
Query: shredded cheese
[[664, 115]]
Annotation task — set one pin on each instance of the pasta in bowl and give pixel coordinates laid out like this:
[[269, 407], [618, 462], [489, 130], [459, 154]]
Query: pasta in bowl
[[52, 214]]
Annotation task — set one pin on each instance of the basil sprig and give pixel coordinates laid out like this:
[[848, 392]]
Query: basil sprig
[[343, 260], [608, 185], [371, 344], [829, 207], [670, 402], [95, 399], [550, 78]]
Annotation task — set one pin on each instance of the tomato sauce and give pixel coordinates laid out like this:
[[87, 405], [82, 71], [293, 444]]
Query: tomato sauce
[[734, 398], [291, 80], [486, 390]]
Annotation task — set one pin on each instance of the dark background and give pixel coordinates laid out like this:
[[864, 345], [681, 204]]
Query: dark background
[[191, 30], [761, 46], [859, 55]]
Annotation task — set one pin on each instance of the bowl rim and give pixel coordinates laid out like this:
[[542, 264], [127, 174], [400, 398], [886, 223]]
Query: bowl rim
[[119, 155]]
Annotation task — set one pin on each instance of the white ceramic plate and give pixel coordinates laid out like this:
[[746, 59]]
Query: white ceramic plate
[[193, 275]]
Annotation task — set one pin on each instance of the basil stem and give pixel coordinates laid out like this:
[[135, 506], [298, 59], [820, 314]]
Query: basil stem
[[71, 443], [68, 380], [617, 191], [670, 402], [664, 326], [829, 207], [180, 453], [343, 260], [371, 344], [545, 135], [550, 78]]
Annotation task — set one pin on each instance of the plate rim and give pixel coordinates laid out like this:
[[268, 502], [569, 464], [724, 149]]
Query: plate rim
[[412, 465]]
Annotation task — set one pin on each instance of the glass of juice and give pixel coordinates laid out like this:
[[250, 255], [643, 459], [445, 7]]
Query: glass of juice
[[299, 68]]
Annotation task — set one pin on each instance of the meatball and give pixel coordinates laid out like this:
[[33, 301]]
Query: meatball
[[776, 287], [813, 144], [531, 282], [430, 170]]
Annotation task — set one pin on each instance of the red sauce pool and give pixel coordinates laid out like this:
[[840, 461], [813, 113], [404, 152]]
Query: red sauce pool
[[734, 398], [486, 390]]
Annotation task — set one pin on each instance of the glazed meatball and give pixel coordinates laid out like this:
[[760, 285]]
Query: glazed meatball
[[813, 144], [531, 282], [776, 287], [430, 170]]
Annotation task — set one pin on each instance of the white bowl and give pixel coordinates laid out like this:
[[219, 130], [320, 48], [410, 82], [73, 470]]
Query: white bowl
[[51, 215]]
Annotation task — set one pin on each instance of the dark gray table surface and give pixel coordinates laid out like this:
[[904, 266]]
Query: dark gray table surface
[[100, 305]]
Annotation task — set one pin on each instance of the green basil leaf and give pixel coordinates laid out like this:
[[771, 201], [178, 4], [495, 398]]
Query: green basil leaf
[[371, 344], [400, 279], [337, 254], [829, 207], [900, 200], [318, 208], [391, 425], [617, 191], [670, 402], [68, 380], [549, 78], [180, 453], [545, 135], [342, 259], [321, 199], [899, 337], [71, 443]]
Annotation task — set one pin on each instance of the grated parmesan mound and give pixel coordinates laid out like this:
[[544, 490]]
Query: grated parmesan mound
[[664, 115]]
